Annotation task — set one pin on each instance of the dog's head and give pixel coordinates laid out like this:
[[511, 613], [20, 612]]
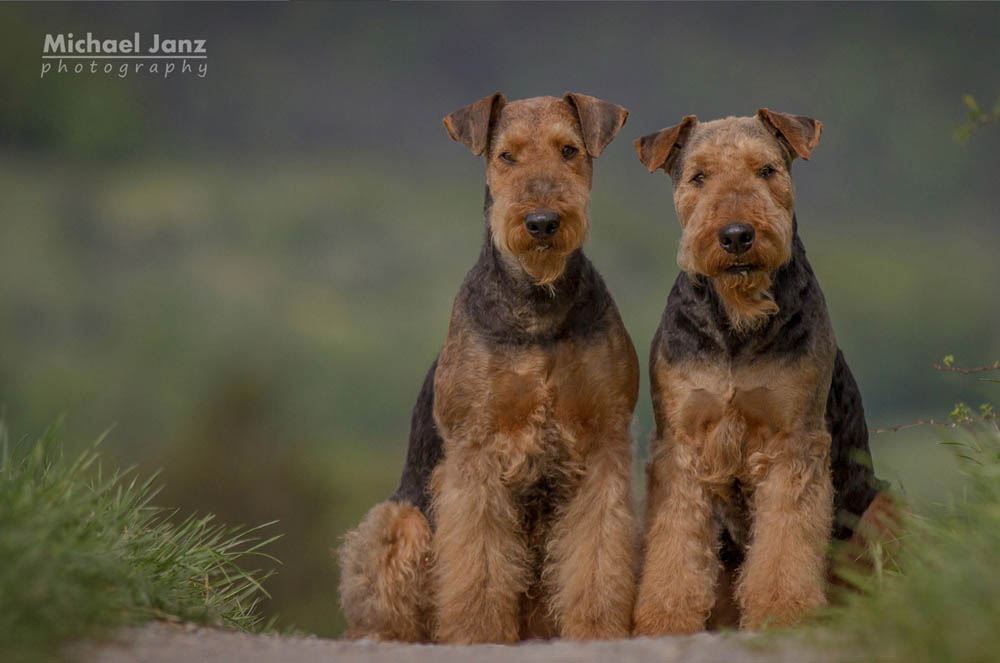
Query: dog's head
[[539, 171], [735, 201]]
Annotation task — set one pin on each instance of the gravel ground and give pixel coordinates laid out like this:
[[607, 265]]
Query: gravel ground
[[186, 643]]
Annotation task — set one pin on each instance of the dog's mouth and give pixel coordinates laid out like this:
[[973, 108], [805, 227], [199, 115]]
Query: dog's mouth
[[742, 268]]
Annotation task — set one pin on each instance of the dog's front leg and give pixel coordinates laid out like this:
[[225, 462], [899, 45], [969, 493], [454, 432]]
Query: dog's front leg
[[480, 552], [680, 563], [784, 573], [591, 552]]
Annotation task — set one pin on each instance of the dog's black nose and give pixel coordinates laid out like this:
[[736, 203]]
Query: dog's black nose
[[542, 225], [737, 238]]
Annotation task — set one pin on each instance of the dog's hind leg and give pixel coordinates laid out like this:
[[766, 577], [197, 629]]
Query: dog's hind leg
[[385, 590], [385, 568]]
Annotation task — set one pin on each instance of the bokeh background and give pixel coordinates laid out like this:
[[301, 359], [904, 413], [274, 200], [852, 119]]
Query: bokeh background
[[248, 274]]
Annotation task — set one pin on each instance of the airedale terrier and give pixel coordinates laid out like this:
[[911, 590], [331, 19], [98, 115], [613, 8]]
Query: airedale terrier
[[760, 431], [513, 517]]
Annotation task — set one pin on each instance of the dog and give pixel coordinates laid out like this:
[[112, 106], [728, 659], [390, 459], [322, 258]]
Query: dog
[[760, 431], [513, 517]]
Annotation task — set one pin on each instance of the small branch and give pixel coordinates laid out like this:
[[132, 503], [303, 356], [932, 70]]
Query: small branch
[[935, 422], [915, 424], [995, 366]]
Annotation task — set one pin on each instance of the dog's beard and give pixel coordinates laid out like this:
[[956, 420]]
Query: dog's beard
[[543, 262], [543, 265], [743, 283], [747, 299]]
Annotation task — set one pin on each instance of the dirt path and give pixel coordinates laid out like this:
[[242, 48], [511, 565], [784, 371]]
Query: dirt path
[[163, 643]]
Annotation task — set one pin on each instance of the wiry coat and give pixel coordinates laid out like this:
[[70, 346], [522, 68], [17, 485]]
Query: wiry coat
[[761, 452], [513, 517], [505, 311], [694, 326]]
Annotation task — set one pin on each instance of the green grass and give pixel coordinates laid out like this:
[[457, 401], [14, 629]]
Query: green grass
[[939, 598], [83, 550]]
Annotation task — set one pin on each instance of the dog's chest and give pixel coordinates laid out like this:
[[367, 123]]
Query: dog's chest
[[731, 414], [706, 397], [535, 409]]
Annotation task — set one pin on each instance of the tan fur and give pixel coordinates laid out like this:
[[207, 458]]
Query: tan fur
[[508, 422], [762, 424], [679, 566], [534, 132], [385, 575], [740, 443], [730, 156], [783, 576], [534, 532]]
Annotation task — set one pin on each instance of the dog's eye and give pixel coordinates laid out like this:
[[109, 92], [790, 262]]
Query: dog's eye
[[569, 152], [698, 179], [507, 157], [765, 172]]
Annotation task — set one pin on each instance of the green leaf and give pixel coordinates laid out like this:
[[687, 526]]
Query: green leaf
[[961, 413], [971, 104]]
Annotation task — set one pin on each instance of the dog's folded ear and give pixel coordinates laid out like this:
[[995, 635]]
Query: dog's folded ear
[[599, 120], [801, 134], [471, 125], [660, 149]]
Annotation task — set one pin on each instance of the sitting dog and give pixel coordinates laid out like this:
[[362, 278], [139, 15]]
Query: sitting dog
[[760, 432], [513, 518]]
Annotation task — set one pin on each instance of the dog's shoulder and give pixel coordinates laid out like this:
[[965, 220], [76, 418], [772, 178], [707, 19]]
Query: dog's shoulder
[[692, 326]]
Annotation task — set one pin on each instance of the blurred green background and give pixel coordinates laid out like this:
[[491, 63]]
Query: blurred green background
[[248, 274]]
